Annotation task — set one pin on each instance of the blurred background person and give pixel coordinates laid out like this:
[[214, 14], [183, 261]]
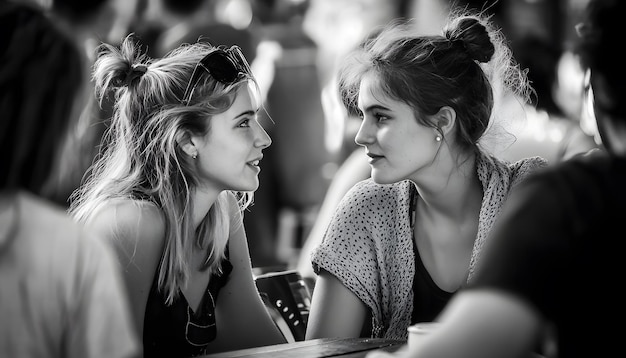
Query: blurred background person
[[88, 23], [293, 180], [62, 294]]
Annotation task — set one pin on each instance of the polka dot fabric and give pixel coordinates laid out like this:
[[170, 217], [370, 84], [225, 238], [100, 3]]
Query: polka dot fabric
[[368, 244]]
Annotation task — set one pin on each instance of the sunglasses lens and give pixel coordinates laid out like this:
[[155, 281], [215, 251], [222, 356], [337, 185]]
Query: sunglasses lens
[[221, 67], [224, 65]]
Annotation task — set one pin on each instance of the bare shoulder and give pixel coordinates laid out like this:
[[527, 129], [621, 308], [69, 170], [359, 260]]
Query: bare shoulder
[[136, 227], [129, 216]]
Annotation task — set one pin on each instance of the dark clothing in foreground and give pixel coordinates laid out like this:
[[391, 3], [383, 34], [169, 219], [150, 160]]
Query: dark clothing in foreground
[[556, 247]]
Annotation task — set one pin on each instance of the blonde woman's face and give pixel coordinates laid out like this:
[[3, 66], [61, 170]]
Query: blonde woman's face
[[229, 155]]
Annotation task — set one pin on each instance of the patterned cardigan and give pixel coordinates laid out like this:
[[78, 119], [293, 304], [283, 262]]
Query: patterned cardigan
[[368, 245]]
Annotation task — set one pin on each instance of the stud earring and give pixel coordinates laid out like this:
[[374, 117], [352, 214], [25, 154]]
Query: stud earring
[[194, 155], [438, 138]]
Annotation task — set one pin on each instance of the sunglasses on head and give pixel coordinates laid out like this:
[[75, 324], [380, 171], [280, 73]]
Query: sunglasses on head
[[223, 64]]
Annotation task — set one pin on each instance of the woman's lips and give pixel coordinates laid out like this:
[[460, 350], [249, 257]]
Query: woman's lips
[[374, 158]]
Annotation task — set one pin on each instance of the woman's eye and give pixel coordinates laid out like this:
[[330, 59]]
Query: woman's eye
[[381, 117], [244, 123]]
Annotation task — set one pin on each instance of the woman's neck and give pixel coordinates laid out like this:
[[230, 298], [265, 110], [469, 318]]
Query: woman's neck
[[202, 200], [452, 190]]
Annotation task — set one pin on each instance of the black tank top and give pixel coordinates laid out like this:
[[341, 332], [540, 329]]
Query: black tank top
[[428, 299], [177, 331]]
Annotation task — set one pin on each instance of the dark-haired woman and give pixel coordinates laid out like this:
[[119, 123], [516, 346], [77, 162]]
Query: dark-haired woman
[[403, 242]]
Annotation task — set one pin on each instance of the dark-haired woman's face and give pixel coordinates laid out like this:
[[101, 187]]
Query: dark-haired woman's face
[[398, 146]]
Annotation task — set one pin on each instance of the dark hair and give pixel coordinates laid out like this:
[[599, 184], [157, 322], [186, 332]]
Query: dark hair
[[429, 72], [40, 75], [601, 34]]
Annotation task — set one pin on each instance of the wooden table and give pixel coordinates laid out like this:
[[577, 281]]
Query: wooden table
[[316, 348]]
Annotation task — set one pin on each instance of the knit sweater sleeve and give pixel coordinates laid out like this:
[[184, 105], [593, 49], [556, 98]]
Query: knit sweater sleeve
[[348, 250], [367, 247]]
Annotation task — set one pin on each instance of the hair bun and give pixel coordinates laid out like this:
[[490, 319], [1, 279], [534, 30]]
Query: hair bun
[[134, 72], [469, 32], [126, 78]]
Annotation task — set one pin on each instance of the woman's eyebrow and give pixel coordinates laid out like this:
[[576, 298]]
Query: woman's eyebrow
[[245, 113]]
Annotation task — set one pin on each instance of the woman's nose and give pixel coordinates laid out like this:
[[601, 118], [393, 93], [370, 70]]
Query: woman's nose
[[364, 136], [263, 139]]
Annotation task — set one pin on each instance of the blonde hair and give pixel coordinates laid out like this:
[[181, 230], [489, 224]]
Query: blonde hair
[[140, 157]]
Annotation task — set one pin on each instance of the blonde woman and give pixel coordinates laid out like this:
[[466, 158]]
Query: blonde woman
[[178, 165]]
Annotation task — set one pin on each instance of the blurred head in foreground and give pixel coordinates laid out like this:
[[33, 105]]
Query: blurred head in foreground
[[39, 80]]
